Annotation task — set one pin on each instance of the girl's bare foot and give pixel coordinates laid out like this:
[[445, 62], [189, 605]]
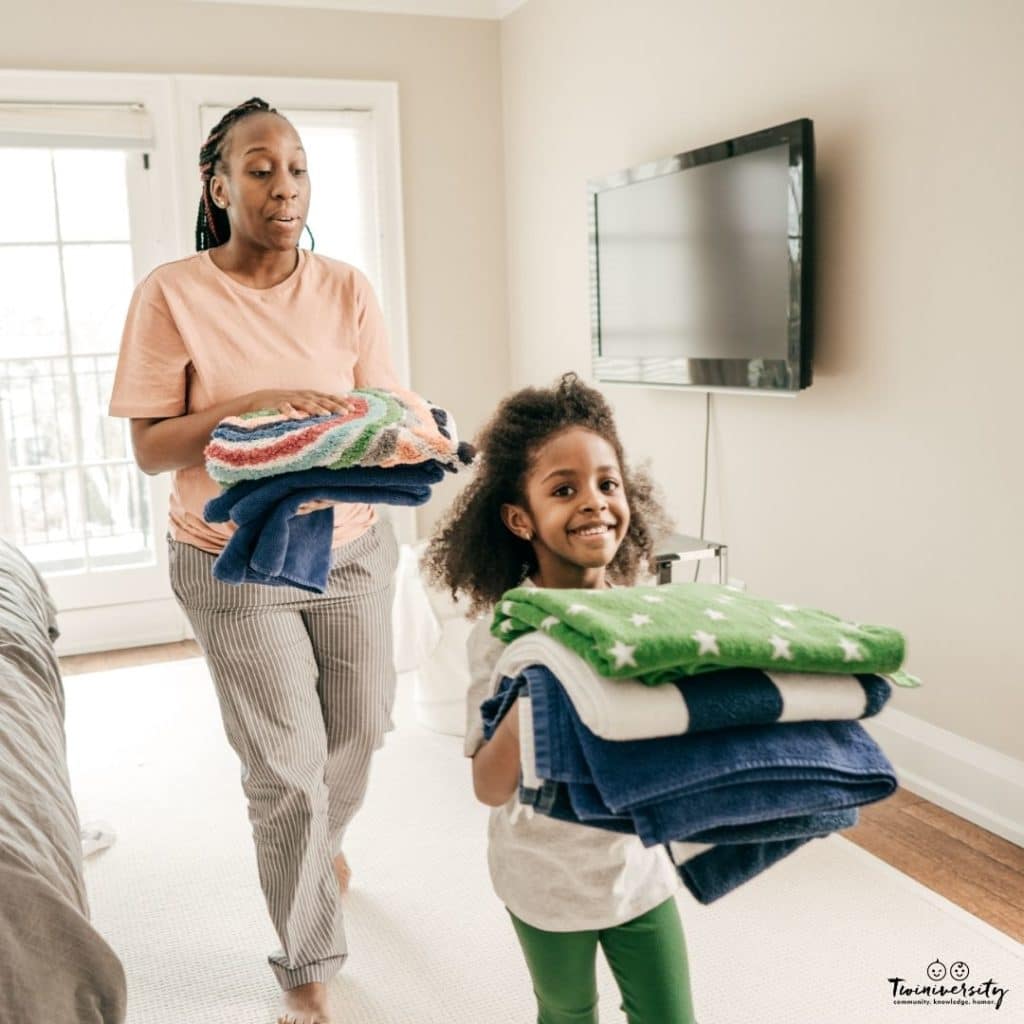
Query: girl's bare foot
[[306, 1004], [342, 872]]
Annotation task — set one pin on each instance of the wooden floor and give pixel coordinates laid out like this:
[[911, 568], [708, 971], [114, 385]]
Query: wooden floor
[[977, 870]]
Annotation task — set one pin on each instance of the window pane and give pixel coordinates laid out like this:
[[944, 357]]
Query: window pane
[[98, 284], [37, 413], [102, 437], [47, 519], [337, 210], [92, 195], [117, 516], [70, 492], [31, 309], [26, 173]]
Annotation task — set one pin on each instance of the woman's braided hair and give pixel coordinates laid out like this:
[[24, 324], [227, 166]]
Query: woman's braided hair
[[473, 552], [212, 225]]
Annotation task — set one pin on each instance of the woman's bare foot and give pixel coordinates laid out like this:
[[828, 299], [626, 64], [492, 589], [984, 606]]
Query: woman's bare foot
[[342, 872], [306, 1004]]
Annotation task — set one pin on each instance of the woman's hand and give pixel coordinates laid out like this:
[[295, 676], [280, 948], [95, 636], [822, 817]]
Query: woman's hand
[[177, 442], [312, 506], [298, 404]]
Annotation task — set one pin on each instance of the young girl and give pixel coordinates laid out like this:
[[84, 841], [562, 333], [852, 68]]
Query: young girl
[[554, 505]]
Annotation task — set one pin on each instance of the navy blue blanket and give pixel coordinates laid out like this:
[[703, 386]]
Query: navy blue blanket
[[750, 794], [276, 546]]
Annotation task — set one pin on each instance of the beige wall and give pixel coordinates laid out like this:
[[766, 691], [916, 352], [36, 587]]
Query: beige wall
[[450, 111], [892, 490]]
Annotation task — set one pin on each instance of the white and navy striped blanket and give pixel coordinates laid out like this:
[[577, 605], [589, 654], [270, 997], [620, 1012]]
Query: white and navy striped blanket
[[622, 709]]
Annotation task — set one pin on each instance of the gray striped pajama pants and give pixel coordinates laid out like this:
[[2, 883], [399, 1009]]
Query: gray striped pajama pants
[[306, 685]]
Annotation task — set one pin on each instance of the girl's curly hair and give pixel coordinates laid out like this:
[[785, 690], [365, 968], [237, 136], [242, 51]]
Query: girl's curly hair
[[472, 551]]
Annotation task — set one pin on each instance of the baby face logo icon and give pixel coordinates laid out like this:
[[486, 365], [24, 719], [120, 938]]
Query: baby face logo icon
[[958, 971], [936, 970]]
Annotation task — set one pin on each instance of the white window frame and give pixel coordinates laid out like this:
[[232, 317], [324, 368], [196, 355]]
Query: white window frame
[[155, 240]]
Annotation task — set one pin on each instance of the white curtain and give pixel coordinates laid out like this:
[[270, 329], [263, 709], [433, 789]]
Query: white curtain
[[75, 125]]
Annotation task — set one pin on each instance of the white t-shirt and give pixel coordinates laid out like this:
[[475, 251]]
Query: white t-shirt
[[556, 875]]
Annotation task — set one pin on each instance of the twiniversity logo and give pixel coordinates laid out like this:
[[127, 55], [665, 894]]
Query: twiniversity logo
[[948, 986]]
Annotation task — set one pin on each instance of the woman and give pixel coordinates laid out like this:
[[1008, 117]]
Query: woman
[[305, 681]]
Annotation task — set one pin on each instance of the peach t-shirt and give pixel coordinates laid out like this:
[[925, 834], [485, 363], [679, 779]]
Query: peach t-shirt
[[195, 337]]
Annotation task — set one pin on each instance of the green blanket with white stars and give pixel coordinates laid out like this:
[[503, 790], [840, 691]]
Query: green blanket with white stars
[[655, 634]]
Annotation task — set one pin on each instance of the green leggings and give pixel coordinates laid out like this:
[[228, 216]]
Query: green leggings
[[647, 956]]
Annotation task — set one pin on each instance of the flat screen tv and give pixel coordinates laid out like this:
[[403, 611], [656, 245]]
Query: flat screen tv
[[701, 266]]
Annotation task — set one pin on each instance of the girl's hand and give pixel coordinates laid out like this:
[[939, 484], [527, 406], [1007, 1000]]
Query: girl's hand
[[298, 404], [496, 763], [509, 725]]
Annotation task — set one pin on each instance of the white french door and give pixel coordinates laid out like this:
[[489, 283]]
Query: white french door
[[87, 181], [72, 497]]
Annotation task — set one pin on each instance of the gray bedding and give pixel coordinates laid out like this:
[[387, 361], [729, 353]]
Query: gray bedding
[[54, 966]]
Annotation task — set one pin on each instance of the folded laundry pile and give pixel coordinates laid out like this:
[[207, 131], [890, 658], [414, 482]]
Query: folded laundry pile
[[391, 448], [731, 769]]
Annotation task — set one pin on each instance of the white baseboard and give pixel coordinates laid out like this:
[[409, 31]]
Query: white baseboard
[[971, 780], [112, 627]]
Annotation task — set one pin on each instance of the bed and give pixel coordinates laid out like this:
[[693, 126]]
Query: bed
[[54, 966]]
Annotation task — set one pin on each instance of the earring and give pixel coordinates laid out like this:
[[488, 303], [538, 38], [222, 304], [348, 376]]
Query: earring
[[528, 536]]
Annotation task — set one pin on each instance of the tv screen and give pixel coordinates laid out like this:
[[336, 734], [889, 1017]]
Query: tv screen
[[701, 266]]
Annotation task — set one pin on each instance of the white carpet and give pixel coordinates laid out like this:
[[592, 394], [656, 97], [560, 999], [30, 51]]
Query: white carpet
[[812, 940]]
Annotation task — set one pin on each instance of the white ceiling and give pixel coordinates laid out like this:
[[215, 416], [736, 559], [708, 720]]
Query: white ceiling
[[489, 9]]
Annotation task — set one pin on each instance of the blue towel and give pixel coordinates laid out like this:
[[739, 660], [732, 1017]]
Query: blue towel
[[274, 545], [583, 803], [730, 856], [748, 795], [678, 786]]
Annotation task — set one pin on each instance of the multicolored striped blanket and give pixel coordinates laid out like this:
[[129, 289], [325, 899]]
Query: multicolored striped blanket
[[384, 429]]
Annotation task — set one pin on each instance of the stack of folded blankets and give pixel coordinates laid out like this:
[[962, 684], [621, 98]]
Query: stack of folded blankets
[[716, 723], [390, 448]]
